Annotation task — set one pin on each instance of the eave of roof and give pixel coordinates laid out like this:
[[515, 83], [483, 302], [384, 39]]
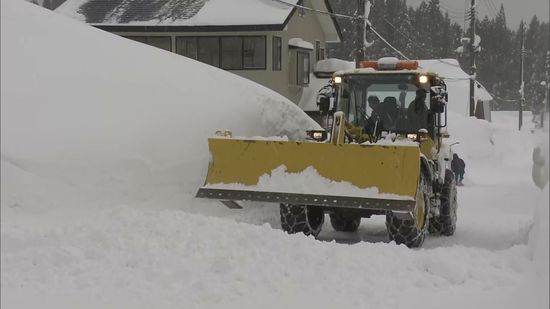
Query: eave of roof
[[162, 29]]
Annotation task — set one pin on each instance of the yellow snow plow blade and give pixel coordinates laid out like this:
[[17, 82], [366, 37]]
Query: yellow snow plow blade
[[392, 171]]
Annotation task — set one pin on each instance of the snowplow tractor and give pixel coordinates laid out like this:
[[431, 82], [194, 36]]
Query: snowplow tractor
[[382, 154]]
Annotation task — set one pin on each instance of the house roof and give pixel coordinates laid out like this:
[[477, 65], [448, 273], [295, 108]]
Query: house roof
[[193, 15]]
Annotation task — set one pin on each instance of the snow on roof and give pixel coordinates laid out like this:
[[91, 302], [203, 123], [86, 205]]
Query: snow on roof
[[445, 68], [332, 65], [300, 43], [177, 12], [458, 83], [308, 101], [482, 93]]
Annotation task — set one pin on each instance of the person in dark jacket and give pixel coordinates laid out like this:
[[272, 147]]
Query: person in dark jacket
[[417, 112], [537, 105], [458, 167]]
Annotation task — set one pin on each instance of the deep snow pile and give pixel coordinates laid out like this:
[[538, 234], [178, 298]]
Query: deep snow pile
[[104, 146], [123, 115]]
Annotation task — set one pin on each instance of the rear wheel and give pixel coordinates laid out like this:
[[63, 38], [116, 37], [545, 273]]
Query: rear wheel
[[344, 222], [411, 232], [445, 222], [302, 219]]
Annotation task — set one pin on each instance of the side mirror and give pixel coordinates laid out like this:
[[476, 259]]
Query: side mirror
[[324, 104], [439, 99], [437, 105]]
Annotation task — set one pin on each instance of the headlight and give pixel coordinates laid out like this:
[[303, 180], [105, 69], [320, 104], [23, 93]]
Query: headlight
[[224, 133], [412, 136], [317, 135], [423, 79], [338, 80]]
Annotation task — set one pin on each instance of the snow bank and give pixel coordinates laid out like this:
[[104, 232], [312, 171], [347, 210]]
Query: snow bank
[[86, 106], [539, 239], [539, 235]]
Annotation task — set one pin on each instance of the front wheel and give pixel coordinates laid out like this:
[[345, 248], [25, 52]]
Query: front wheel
[[411, 232], [302, 219], [445, 223]]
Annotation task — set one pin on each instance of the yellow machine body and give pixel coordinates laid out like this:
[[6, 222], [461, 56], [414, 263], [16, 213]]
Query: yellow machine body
[[390, 169]]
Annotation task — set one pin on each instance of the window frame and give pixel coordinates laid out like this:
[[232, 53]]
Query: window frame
[[194, 38], [241, 52], [160, 37], [300, 67], [219, 39], [219, 49], [264, 67], [317, 50], [144, 39], [277, 63]]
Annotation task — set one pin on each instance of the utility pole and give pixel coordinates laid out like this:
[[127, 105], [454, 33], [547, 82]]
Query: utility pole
[[472, 56], [522, 84], [546, 103], [360, 34]]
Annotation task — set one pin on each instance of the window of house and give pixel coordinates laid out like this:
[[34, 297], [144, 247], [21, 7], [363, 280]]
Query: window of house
[[276, 47], [232, 53], [323, 56], [317, 50], [227, 52], [187, 46], [209, 50], [141, 39], [254, 51], [164, 42], [303, 68]]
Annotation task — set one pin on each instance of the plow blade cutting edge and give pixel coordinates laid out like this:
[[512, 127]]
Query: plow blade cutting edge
[[309, 173]]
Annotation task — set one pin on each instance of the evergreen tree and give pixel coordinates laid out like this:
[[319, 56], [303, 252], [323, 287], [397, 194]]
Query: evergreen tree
[[425, 32]]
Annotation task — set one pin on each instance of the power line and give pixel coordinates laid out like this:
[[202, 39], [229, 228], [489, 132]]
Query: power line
[[388, 43], [496, 11], [402, 34], [318, 11], [465, 9], [490, 12], [348, 17], [371, 28], [451, 9]]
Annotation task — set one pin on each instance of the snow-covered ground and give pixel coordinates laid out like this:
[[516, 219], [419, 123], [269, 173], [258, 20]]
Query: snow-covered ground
[[103, 146]]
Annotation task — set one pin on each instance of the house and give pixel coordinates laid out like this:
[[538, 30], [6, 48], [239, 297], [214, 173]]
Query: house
[[458, 86], [271, 42]]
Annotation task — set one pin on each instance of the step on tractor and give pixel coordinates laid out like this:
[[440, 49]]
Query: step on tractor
[[383, 152]]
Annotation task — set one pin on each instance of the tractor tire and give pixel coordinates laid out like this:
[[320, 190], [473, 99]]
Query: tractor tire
[[302, 219], [411, 232], [445, 223], [343, 222]]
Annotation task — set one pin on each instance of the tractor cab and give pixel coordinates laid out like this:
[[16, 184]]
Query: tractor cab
[[389, 96]]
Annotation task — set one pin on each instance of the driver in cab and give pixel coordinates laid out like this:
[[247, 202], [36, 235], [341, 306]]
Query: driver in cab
[[417, 112]]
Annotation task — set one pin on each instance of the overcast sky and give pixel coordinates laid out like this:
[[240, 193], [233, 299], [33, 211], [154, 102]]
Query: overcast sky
[[515, 10]]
